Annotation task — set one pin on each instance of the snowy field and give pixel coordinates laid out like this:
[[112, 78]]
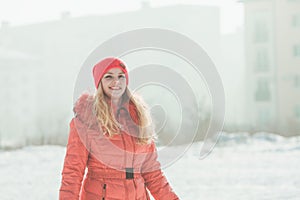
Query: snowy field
[[241, 167]]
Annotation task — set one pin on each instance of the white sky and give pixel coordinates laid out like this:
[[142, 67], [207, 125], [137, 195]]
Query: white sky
[[18, 12]]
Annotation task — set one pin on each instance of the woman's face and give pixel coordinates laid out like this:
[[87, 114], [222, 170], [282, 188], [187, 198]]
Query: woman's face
[[114, 83]]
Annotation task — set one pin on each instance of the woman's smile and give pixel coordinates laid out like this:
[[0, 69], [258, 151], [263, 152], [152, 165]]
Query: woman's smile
[[115, 88]]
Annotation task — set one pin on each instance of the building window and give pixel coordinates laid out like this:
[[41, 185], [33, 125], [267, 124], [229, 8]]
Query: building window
[[297, 111], [297, 50], [296, 20], [262, 60], [263, 92], [260, 31]]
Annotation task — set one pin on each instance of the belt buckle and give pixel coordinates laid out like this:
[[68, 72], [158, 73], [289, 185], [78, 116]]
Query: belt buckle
[[129, 173]]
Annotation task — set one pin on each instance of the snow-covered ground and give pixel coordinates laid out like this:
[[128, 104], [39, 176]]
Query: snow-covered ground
[[263, 166]]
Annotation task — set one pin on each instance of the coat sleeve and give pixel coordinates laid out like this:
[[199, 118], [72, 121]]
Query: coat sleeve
[[154, 178], [74, 165]]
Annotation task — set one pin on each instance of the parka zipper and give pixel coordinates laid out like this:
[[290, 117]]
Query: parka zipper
[[104, 191], [125, 162]]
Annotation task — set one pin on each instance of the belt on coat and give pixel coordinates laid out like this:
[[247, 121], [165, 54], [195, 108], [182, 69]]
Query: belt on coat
[[128, 173]]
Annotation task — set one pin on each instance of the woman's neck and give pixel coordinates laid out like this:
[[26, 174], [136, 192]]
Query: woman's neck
[[115, 102]]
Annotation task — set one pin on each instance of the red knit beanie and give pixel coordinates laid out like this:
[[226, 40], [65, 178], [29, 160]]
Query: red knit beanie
[[106, 64]]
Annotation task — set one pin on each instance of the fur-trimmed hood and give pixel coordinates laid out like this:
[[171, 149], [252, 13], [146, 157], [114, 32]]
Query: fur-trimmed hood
[[84, 110]]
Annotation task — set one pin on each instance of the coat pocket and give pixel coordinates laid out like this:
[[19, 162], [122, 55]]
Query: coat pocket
[[94, 189]]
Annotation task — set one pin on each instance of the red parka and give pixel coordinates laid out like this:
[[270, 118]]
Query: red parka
[[118, 168]]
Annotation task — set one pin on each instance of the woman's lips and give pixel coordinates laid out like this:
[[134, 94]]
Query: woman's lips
[[115, 88]]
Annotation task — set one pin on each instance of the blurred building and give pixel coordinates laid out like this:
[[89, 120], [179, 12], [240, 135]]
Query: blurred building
[[61, 46], [272, 47], [233, 76]]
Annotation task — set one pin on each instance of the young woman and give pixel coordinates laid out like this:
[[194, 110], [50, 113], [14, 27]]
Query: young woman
[[111, 135]]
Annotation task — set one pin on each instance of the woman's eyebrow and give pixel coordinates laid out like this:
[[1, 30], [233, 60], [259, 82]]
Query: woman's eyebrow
[[113, 73]]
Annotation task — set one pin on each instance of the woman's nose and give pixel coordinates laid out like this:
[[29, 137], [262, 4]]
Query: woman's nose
[[115, 80]]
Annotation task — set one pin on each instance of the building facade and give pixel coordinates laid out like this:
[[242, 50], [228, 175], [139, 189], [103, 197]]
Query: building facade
[[272, 49]]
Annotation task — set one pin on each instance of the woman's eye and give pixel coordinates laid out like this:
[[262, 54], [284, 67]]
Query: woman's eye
[[122, 76], [108, 77]]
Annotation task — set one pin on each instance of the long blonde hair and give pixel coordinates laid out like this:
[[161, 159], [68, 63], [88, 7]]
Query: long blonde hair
[[108, 123]]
